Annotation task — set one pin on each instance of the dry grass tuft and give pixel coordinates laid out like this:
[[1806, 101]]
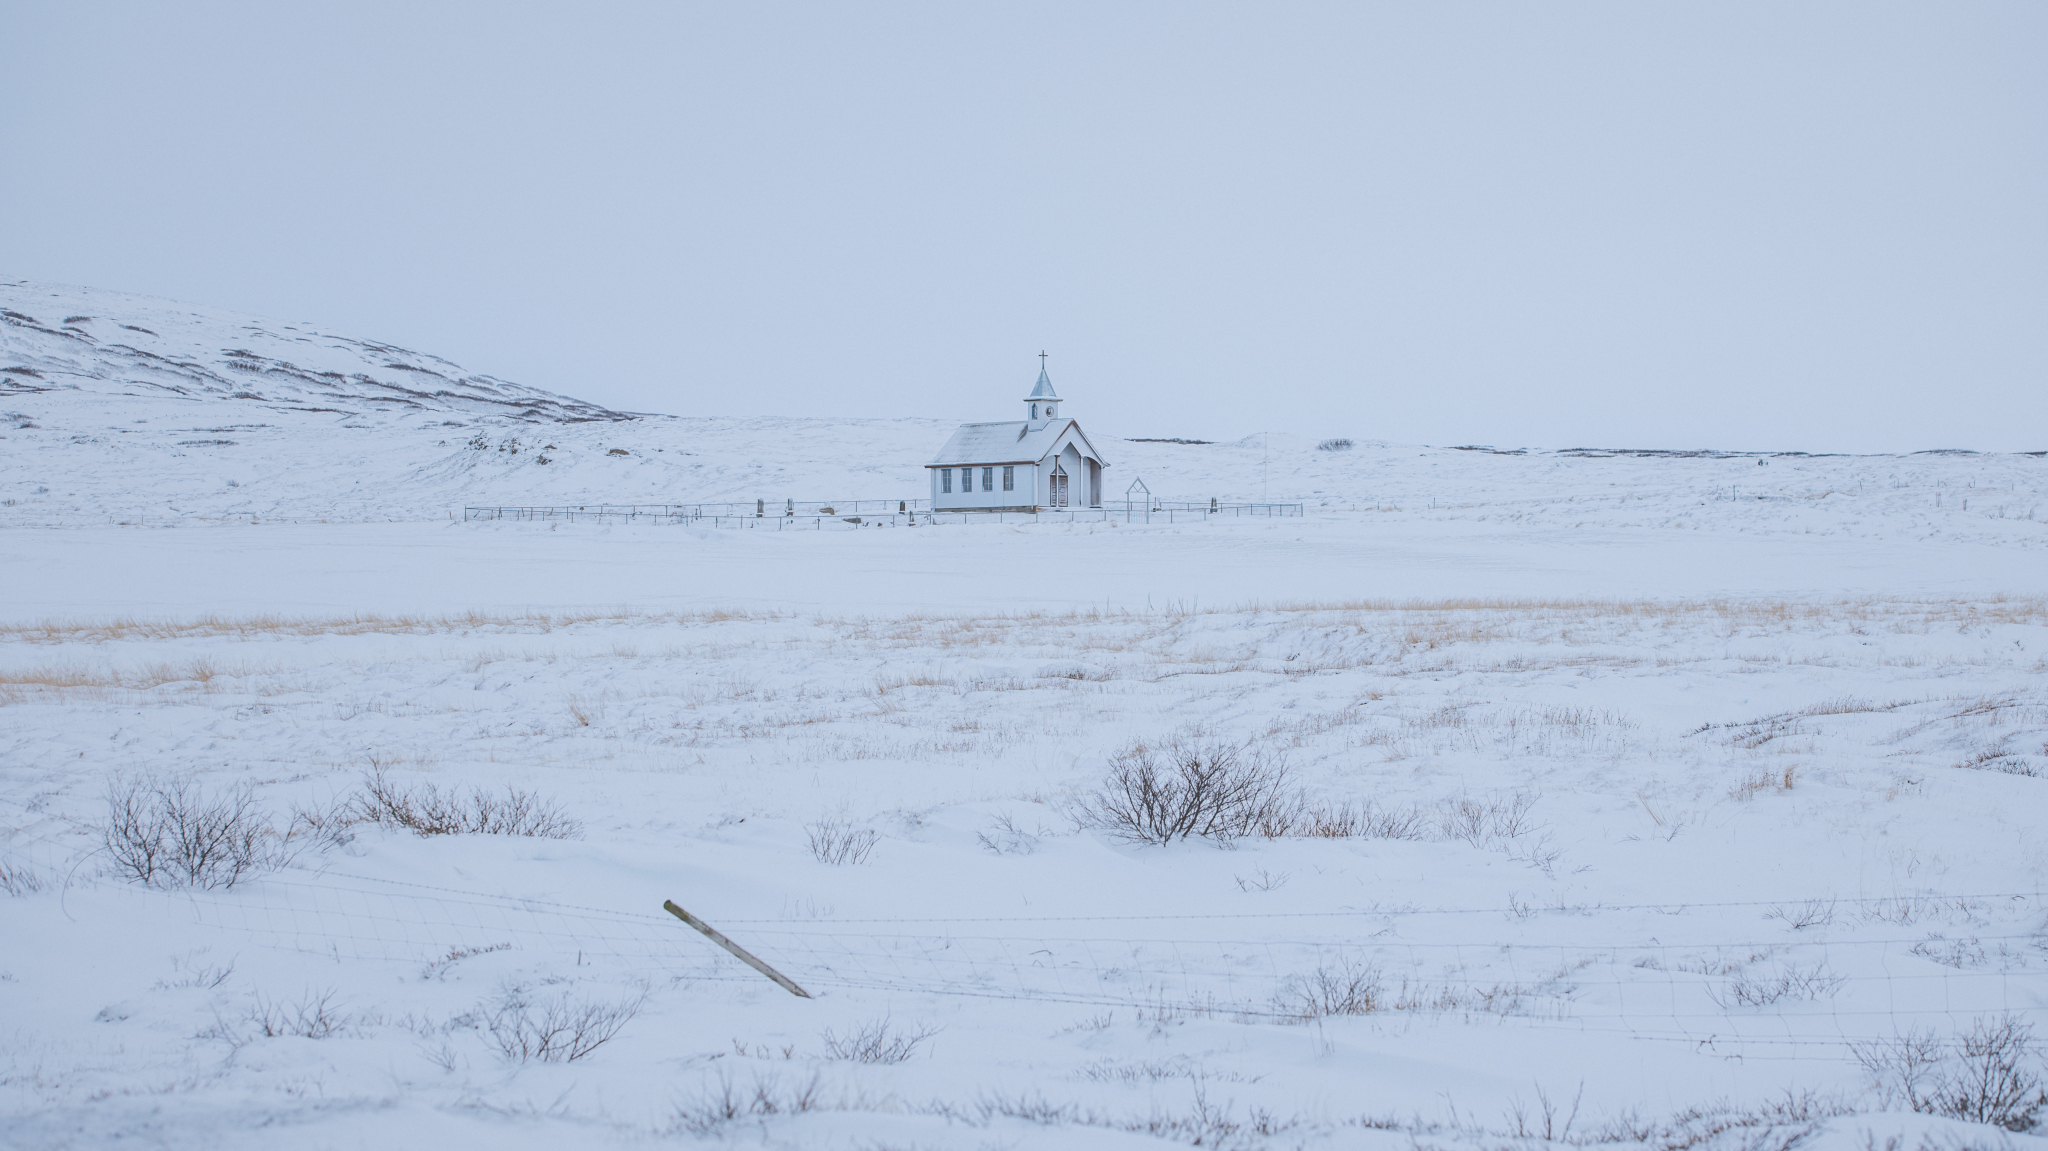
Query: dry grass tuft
[[19, 879], [1764, 780], [260, 626], [29, 684]]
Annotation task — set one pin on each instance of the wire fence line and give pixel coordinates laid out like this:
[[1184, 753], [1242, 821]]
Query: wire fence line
[[684, 513], [2039, 899], [818, 515], [1735, 993], [1725, 993]]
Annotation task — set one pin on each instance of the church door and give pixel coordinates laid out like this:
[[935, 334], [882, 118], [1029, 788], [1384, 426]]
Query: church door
[[1059, 486]]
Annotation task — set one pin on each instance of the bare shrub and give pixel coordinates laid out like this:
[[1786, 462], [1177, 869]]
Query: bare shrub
[[1906, 910], [1996, 1079], [1812, 913], [1539, 853], [1262, 880], [321, 826], [1005, 837], [1956, 953], [1901, 1066], [1203, 1124], [1792, 983], [1991, 1075], [877, 1042], [1483, 821], [839, 842], [206, 977], [1184, 787], [556, 1031], [171, 833], [1778, 1124], [1346, 987], [1344, 820], [438, 969], [1336, 445], [713, 1110], [317, 1015], [1549, 1122], [425, 809]]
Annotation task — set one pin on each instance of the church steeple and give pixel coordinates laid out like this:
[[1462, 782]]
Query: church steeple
[[1042, 401]]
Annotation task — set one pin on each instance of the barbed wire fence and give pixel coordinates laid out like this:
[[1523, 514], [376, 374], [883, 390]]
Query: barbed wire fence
[[1802, 995], [1810, 996]]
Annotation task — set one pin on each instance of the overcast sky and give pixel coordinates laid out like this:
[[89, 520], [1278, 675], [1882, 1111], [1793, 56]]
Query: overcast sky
[[1771, 226]]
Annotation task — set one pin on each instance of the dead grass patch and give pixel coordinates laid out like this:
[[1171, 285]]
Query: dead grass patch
[[262, 626], [1761, 781], [202, 672]]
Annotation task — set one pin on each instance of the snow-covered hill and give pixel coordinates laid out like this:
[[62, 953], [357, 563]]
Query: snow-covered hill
[[113, 345], [124, 409]]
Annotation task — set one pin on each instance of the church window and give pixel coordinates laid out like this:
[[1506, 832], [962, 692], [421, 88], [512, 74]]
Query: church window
[[1009, 479], [988, 479], [946, 479]]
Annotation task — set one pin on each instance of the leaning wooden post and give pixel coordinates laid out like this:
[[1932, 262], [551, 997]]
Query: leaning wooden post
[[741, 953]]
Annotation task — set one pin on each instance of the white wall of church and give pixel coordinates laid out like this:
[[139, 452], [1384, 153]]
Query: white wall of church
[[1024, 494]]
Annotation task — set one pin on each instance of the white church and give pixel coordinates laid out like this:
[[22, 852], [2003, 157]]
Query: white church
[[1036, 464]]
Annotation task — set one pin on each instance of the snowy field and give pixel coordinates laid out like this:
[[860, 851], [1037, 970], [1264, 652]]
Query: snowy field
[[1630, 800]]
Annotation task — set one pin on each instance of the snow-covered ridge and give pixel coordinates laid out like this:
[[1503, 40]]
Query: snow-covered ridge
[[125, 409], [55, 337]]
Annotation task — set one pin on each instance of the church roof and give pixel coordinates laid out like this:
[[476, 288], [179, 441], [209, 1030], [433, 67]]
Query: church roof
[[1043, 391], [1009, 442]]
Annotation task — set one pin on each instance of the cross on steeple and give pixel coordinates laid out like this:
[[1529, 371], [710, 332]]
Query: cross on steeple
[[1043, 401]]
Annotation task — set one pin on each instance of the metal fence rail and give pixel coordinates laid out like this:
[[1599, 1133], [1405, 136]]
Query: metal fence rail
[[1179, 512]]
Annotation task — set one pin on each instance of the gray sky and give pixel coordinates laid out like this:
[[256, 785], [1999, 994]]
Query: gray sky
[[1779, 226]]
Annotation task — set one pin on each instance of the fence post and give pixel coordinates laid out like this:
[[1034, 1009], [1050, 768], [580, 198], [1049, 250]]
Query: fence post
[[741, 953]]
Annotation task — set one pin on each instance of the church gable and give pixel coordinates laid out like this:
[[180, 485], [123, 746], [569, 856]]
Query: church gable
[[1072, 434]]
